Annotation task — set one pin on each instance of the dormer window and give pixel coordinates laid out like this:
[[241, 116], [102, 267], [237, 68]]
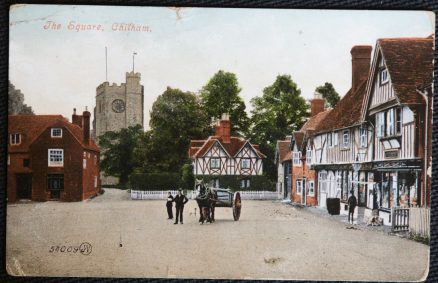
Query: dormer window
[[383, 76], [56, 133], [15, 139]]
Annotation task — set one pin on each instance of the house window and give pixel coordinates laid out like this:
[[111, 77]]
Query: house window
[[55, 181], [297, 158], [26, 162], [346, 139], [330, 139], [299, 187], [363, 137], [309, 157], [15, 139], [245, 183], [384, 76], [245, 163], [390, 122], [215, 163], [311, 188], [398, 120], [84, 163], [56, 157], [95, 181], [56, 133]]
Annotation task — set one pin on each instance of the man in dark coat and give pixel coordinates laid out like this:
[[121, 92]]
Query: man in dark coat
[[352, 202], [169, 206], [180, 200]]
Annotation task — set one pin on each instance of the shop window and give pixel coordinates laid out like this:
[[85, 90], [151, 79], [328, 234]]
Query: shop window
[[299, 187]]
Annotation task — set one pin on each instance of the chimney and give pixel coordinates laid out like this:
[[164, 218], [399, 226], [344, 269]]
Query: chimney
[[86, 125], [360, 64], [317, 104], [223, 129], [76, 119]]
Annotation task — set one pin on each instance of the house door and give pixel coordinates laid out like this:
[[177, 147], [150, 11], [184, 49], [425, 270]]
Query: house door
[[303, 192], [24, 186], [55, 185]]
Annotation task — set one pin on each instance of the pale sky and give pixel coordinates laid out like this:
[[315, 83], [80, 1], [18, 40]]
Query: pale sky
[[58, 70]]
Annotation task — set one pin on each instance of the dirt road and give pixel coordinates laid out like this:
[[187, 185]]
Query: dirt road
[[126, 238]]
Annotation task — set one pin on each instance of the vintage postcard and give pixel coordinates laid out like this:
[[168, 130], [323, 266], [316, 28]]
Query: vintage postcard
[[166, 142]]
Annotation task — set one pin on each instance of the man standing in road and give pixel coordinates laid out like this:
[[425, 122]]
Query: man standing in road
[[169, 205], [180, 200], [352, 202]]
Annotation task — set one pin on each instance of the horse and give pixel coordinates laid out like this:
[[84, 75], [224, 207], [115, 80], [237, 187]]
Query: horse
[[206, 199]]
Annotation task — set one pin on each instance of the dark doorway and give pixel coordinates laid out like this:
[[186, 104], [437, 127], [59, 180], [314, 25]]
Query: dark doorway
[[24, 186], [55, 185]]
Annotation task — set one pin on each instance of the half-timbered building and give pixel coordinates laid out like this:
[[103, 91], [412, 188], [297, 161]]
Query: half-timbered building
[[226, 155], [398, 105], [342, 153]]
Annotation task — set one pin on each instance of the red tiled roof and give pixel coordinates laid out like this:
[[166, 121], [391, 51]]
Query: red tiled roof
[[410, 65], [346, 113], [232, 148], [283, 150], [314, 122], [31, 126], [287, 157], [298, 138]]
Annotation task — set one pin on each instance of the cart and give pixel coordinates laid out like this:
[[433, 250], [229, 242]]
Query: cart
[[226, 198]]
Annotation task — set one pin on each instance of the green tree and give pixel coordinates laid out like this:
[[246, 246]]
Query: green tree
[[187, 177], [117, 149], [176, 118], [329, 93], [280, 111], [221, 95], [16, 103]]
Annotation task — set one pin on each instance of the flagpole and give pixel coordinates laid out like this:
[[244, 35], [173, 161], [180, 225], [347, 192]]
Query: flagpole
[[106, 64]]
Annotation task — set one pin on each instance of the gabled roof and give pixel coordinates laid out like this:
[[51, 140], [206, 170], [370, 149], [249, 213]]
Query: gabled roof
[[199, 148], [314, 123], [410, 65], [32, 126], [283, 150], [346, 113], [298, 138]]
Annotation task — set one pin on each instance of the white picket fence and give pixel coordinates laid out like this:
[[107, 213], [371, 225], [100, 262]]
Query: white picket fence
[[246, 195], [419, 221]]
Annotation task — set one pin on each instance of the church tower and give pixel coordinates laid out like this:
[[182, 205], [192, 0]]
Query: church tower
[[118, 106]]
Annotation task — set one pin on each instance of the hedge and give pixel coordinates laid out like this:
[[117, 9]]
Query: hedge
[[257, 183], [154, 181]]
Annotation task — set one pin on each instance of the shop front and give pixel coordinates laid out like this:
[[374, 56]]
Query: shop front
[[398, 184]]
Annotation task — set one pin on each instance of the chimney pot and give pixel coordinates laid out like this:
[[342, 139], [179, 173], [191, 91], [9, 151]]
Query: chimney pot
[[317, 104]]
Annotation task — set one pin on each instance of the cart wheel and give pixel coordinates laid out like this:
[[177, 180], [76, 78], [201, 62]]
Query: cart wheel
[[237, 206]]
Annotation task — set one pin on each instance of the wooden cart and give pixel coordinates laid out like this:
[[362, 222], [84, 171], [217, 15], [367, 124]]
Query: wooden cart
[[226, 198]]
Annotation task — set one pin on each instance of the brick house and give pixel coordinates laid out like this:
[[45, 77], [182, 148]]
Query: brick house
[[50, 158], [304, 182], [222, 156]]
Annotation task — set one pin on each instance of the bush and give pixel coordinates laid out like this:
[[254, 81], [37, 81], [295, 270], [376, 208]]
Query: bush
[[257, 183], [154, 181]]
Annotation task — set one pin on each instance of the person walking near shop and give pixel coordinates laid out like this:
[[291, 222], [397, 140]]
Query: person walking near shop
[[180, 200], [169, 206], [352, 202]]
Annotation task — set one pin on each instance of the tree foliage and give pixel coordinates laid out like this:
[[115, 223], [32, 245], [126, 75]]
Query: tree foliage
[[280, 111], [176, 118], [16, 103], [329, 93], [221, 95], [117, 150]]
